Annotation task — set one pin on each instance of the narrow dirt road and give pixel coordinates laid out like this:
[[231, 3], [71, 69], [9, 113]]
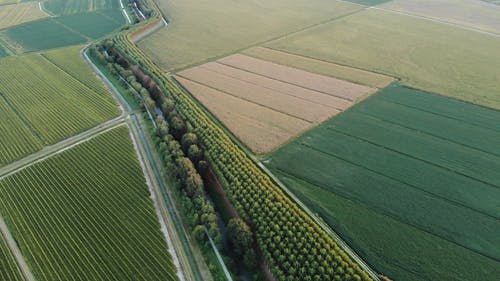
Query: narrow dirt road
[[11, 243]]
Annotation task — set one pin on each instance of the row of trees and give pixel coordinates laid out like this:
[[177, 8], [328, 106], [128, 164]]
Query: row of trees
[[293, 245]]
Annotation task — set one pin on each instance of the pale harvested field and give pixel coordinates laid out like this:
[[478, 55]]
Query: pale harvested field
[[11, 15], [287, 104], [279, 87], [258, 127], [200, 30], [266, 104], [326, 68], [316, 82], [471, 13]]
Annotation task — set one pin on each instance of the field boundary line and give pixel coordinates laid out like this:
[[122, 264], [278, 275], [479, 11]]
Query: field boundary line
[[274, 90], [414, 157], [332, 62], [321, 223], [452, 202], [430, 134], [443, 115], [59, 147], [247, 100], [16, 252]]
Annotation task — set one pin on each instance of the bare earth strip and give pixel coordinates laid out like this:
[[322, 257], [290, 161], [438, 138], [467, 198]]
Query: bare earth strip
[[320, 83], [355, 75], [287, 104], [280, 87], [11, 15], [260, 128]]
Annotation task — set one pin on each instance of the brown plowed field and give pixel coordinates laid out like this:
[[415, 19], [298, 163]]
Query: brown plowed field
[[260, 128], [280, 87], [290, 105], [320, 83], [266, 104]]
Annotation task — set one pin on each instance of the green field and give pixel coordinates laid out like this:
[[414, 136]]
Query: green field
[[61, 7], [8, 266], [92, 24], [402, 174], [61, 31], [200, 30], [58, 107], [70, 60], [3, 52], [86, 214], [41, 35], [426, 55], [17, 138]]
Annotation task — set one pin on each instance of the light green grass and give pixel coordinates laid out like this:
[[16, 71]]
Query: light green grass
[[9, 271], [41, 35], [55, 104], [426, 55], [200, 30], [472, 13], [62, 7], [86, 214], [422, 164], [90, 24], [70, 60], [321, 67]]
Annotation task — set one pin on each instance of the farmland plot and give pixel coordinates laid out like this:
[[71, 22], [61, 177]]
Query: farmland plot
[[422, 177], [86, 214], [265, 104], [354, 75], [17, 139], [9, 270], [199, 30], [11, 15], [91, 24], [62, 7], [41, 35], [470, 13], [70, 60], [426, 55], [59, 106]]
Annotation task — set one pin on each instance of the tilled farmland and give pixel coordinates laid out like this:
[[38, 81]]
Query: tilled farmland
[[265, 104]]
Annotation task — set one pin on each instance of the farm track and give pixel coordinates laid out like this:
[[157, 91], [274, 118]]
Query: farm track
[[59, 147], [11, 243]]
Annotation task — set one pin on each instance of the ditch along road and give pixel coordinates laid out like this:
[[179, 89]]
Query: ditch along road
[[187, 259]]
